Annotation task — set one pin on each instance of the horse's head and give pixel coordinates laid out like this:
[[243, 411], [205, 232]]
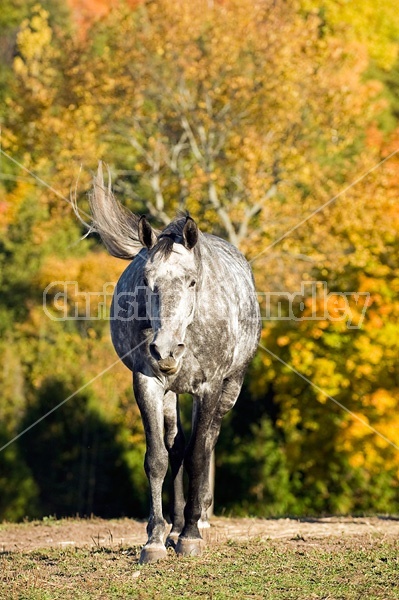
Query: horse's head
[[171, 274]]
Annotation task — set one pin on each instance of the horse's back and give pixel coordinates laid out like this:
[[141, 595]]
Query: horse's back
[[232, 295]]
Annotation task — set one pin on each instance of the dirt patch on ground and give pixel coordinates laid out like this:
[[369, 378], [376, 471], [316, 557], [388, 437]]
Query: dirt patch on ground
[[127, 532]]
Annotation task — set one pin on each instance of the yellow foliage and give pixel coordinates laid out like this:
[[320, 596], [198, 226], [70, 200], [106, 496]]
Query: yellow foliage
[[374, 25], [10, 204]]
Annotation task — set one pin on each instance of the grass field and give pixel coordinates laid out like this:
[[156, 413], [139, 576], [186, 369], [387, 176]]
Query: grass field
[[362, 566]]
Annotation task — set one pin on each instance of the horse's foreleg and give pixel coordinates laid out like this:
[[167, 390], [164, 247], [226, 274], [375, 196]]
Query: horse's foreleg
[[210, 411], [175, 444], [149, 396], [197, 463]]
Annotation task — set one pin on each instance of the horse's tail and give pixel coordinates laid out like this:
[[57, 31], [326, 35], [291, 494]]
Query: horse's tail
[[116, 225]]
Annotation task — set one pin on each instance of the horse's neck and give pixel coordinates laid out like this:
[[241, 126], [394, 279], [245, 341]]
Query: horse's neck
[[220, 260]]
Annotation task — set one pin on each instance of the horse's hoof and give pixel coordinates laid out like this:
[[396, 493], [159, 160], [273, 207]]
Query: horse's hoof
[[189, 546], [151, 554], [171, 540]]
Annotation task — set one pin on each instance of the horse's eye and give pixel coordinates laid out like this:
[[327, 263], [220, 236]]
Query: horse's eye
[[192, 284]]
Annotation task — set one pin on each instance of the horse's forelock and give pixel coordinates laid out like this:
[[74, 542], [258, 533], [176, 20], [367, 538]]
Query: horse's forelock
[[163, 248], [172, 234]]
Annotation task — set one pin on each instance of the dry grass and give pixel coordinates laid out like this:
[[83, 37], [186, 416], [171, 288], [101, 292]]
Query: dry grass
[[300, 566]]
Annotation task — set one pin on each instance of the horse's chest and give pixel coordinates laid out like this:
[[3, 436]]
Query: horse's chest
[[200, 368]]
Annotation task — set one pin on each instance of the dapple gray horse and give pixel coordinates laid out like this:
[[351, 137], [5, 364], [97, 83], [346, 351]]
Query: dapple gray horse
[[184, 319]]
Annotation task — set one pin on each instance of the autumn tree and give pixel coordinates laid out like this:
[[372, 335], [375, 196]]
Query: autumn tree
[[213, 111], [252, 116]]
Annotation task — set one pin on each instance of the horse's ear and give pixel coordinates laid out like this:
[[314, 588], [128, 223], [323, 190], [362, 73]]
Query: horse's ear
[[190, 233], [147, 236]]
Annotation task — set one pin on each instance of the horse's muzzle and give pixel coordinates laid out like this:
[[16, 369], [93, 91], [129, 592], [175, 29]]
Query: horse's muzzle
[[168, 365], [167, 355]]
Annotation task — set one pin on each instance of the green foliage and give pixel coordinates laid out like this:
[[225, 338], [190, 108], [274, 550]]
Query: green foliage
[[373, 27], [252, 473], [19, 495], [388, 118], [75, 458]]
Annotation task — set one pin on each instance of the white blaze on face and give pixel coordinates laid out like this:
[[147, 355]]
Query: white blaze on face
[[177, 265], [172, 282]]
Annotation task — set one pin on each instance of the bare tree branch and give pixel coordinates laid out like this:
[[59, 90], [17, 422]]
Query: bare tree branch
[[191, 137], [253, 210], [224, 216]]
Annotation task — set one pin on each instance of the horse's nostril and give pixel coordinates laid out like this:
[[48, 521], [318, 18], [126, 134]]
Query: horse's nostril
[[155, 351], [160, 351], [179, 351]]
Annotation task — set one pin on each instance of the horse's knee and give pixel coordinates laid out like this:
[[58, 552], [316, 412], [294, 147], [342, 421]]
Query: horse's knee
[[156, 463]]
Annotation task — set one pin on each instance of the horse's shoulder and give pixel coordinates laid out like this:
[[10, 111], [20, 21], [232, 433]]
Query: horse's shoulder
[[223, 256]]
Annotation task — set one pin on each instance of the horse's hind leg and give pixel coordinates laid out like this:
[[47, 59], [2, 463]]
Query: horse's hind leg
[[207, 503], [149, 397], [175, 444]]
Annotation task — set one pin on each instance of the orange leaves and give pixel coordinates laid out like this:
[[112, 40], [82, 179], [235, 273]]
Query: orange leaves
[[251, 115], [283, 340], [233, 103], [79, 287], [85, 12]]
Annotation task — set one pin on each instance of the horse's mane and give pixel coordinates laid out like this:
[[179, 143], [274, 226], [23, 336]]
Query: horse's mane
[[116, 225]]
